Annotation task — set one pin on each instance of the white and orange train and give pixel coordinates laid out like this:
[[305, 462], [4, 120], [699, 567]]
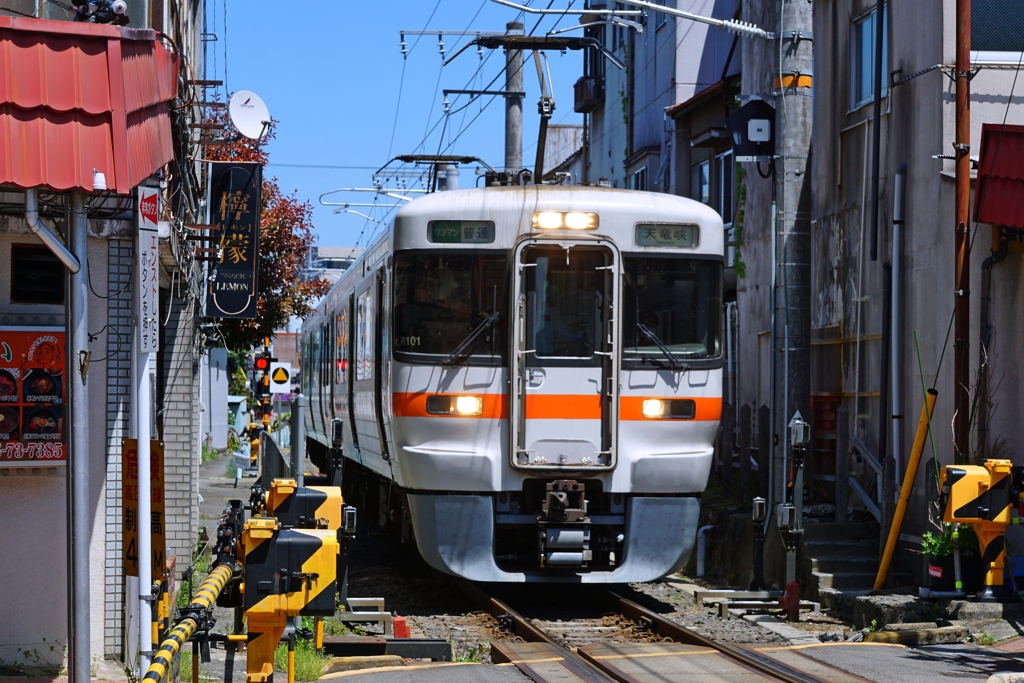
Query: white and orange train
[[527, 379]]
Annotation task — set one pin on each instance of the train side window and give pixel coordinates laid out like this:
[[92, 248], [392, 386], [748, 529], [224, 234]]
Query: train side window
[[341, 339], [364, 335]]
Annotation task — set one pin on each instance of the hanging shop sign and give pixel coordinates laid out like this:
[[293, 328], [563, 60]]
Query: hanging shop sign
[[32, 398], [147, 276], [234, 205], [130, 508]]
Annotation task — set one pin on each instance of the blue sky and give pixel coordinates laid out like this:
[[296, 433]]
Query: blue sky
[[331, 73]]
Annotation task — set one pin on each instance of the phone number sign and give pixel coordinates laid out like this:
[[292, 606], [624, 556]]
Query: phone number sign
[[32, 395]]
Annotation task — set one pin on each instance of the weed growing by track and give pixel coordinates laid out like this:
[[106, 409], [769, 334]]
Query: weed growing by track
[[308, 662]]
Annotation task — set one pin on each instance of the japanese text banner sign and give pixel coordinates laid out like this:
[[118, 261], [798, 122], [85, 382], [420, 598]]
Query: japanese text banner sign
[[234, 206], [32, 407], [130, 508], [147, 276]]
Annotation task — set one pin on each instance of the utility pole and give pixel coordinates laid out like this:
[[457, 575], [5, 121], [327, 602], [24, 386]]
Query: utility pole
[[514, 103], [792, 333], [78, 460], [962, 277]]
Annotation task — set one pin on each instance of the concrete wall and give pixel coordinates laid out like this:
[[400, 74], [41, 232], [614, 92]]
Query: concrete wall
[[180, 426], [213, 418], [847, 285], [32, 500]]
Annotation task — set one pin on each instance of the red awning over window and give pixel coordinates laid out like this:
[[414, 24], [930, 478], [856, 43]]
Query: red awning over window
[[76, 97], [999, 194]]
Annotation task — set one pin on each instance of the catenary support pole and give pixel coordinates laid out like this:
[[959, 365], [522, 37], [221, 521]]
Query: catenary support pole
[[962, 198], [514, 104], [793, 82], [78, 459]]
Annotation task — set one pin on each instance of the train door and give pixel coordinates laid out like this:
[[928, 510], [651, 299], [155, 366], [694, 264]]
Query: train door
[[327, 397], [367, 372], [565, 365], [382, 350], [350, 336], [323, 389]]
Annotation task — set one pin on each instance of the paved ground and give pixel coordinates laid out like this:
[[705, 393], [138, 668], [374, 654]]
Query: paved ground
[[838, 662]]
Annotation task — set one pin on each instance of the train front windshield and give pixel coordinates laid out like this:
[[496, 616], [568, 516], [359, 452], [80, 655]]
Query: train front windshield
[[672, 304], [449, 304]]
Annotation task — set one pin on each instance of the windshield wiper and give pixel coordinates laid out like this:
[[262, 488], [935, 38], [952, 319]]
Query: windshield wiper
[[461, 351], [674, 362]]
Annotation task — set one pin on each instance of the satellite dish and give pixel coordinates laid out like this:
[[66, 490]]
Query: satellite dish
[[249, 114]]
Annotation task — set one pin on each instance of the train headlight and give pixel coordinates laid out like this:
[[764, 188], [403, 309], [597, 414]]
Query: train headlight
[[653, 408], [576, 220], [465, 406], [547, 220], [469, 405], [670, 408], [571, 220]]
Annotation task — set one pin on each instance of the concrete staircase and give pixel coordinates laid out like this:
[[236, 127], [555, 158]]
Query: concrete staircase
[[839, 561]]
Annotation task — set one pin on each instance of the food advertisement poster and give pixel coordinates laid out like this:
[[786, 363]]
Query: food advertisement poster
[[32, 395]]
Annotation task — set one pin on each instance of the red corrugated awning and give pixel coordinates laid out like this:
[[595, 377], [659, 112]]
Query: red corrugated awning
[[75, 96], [999, 194]]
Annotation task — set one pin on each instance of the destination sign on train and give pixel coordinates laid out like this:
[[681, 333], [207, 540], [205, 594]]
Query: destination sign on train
[[667, 235], [455, 232]]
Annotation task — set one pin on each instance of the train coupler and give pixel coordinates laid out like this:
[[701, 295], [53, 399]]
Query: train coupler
[[564, 529]]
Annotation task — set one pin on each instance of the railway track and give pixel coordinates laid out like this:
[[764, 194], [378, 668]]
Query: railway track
[[578, 650]]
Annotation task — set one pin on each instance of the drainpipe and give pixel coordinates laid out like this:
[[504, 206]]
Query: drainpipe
[[80, 527], [986, 338], [701, 545], [47, 237], [897, 386]]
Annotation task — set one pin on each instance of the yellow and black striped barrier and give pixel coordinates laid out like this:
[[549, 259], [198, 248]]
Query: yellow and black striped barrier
[[984, 496], [188, 625]]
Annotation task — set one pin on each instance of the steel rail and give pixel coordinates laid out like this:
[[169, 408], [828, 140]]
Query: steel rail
[[520, 626], [681, 634], [204, 600]]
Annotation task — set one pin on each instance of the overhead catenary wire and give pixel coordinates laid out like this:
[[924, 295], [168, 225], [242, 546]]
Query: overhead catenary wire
[[443, 119]]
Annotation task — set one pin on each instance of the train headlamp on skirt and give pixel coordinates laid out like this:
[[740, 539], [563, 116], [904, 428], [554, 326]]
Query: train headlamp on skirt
[[464, 406], [669, 408]]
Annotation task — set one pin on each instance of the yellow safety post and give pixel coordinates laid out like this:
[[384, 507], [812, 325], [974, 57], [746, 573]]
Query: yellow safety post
[[291, 659], [908, 486]]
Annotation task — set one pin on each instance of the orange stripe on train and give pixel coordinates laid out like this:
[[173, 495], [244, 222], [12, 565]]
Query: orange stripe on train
[[632, 407], [553, 406], [414, 404]]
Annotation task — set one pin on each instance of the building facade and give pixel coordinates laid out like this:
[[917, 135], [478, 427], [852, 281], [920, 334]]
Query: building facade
[[94, 111], [850, 299]]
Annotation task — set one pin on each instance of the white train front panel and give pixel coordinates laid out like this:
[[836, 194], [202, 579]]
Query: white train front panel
[[538, 372]]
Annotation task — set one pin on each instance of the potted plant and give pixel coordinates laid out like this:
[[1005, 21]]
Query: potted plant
[[938, 551]]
